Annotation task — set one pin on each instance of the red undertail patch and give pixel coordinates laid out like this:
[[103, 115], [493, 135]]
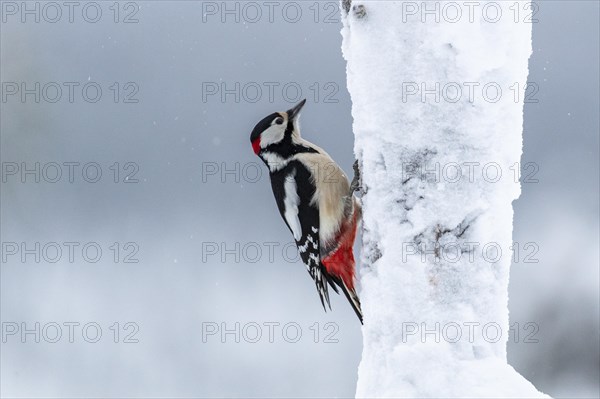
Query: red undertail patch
[[341, 261]]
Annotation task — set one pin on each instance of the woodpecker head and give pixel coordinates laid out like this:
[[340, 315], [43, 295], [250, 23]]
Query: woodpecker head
[[275, 132]]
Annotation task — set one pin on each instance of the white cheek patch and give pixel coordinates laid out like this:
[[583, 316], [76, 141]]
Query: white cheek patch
[[291, 202], [272, 135]]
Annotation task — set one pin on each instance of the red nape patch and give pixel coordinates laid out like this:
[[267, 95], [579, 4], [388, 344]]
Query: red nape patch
[[256, 146]]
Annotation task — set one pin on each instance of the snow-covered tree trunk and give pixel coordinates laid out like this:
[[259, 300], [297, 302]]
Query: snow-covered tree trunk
[[437, 100]]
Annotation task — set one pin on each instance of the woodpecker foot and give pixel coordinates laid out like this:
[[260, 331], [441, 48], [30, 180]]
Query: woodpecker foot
[[355, 185], [359, 11], [346, 5]]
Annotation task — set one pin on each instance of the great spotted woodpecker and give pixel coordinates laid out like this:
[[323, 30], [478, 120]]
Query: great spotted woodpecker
[[315, 200]]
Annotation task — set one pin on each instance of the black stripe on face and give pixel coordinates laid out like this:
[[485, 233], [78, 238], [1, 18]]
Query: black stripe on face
[[263, 125]]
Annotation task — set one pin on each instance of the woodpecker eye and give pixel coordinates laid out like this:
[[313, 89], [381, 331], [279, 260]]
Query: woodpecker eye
[[279, 121]]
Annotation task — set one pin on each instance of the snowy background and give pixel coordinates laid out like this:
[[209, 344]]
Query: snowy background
[[177, 135]]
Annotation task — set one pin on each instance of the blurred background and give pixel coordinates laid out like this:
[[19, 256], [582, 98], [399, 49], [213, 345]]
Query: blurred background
[[139, 231]]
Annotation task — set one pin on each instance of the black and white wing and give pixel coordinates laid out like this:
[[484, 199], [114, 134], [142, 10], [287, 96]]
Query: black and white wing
[[294, 191]]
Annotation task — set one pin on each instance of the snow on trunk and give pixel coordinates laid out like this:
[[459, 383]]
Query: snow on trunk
[[437, 101]]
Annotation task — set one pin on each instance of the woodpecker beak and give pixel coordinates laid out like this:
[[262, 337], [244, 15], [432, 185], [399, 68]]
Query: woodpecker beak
[[294, 112]]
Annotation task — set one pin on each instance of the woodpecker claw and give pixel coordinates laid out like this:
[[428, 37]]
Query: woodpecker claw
[[355, 185]]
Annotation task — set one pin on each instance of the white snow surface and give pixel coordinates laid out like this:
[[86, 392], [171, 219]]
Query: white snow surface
[[432, 319]]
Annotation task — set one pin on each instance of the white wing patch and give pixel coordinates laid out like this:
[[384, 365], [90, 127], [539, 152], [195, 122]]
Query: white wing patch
[[291, 202]]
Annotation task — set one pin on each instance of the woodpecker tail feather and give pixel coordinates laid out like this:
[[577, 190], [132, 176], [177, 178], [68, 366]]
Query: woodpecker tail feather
[[334, 283], [351, 295], [354, 301], [321, 278]]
